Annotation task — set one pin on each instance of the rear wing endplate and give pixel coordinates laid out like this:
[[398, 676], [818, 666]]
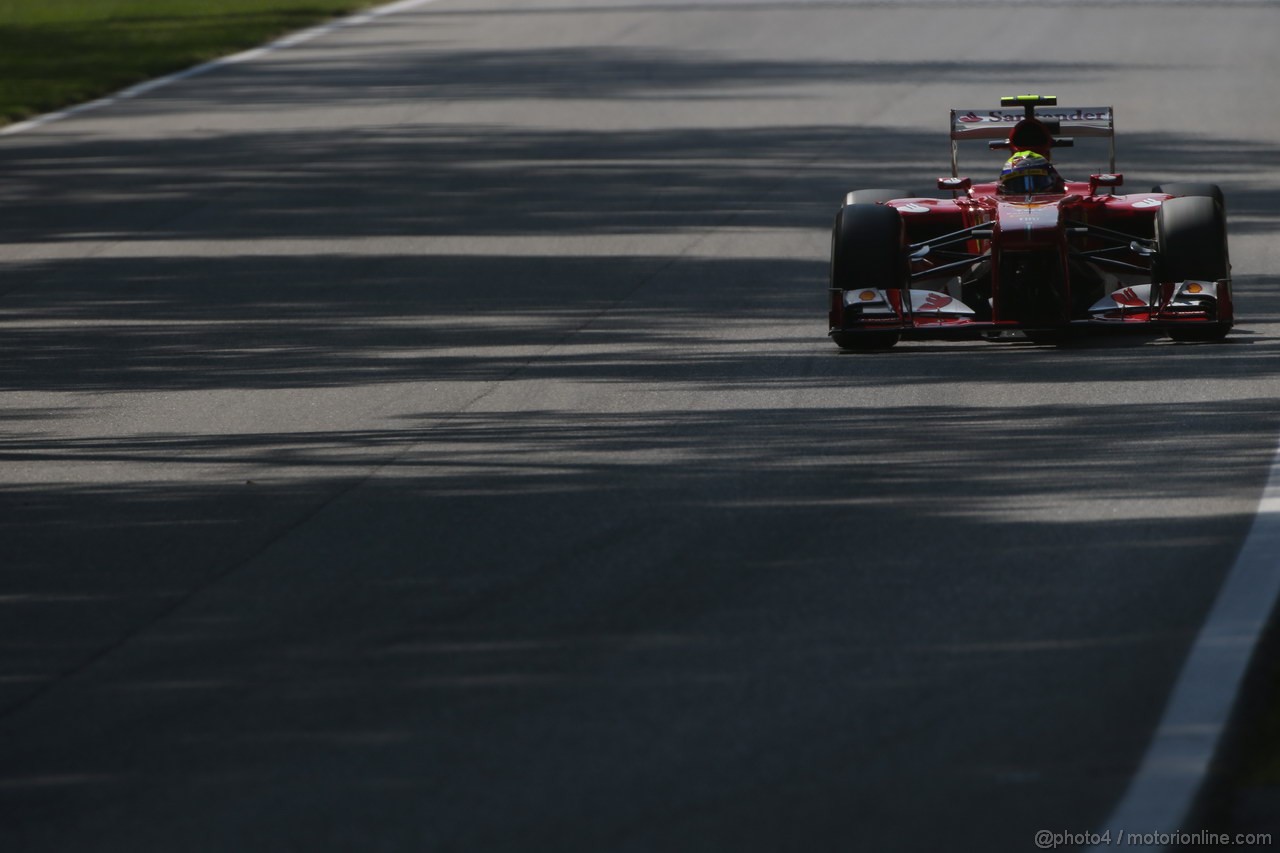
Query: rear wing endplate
[[997, 123]]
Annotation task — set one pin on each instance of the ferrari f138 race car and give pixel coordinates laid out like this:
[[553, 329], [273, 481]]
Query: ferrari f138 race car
[[1031, 255]]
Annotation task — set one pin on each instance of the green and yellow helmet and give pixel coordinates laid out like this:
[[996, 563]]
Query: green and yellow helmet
[[1028, 172]]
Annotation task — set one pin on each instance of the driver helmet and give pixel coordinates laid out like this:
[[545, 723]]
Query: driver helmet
[[1028, 172]]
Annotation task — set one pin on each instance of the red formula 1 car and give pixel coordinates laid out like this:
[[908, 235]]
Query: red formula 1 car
[[1031, 254]]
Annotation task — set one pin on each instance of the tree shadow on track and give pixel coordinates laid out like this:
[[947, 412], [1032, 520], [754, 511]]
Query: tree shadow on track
[[436, 182], [406, 72], [740, 601], [578, 639]]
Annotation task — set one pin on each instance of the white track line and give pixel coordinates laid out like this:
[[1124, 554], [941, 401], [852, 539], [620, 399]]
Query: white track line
[[235, 59], [1164, 789]]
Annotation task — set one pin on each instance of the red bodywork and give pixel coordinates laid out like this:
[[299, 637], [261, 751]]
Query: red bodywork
[[1052, 228], [983, 263]]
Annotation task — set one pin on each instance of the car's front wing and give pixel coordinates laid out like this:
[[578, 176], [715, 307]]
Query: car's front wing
[[924, 314]]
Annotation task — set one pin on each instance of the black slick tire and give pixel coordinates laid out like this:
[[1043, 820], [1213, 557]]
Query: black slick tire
[[1191, 234], [866, 251]]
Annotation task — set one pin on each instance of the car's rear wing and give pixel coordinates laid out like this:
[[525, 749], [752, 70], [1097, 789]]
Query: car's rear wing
[[996, 124]]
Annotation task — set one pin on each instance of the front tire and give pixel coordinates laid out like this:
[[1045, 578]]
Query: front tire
[[866, 252], [1191, 233]]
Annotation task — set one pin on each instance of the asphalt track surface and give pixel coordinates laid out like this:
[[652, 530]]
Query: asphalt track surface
[[426, 438]]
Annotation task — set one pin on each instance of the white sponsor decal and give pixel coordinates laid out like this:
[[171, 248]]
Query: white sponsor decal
[[931, 300], [1067, 114]]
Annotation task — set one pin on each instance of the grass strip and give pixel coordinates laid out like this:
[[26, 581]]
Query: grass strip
[[55, 53]]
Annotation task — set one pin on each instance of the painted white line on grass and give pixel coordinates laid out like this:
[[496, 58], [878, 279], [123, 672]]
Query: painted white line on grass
[[235, 59], [1173, 770]]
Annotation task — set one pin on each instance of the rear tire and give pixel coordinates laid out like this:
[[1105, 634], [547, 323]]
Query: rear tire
[[1191, 233], [873, 196], [866, 251]]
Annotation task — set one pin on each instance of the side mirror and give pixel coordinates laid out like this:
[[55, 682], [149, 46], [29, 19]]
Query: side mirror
[[1096, 181], [955, 185]]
